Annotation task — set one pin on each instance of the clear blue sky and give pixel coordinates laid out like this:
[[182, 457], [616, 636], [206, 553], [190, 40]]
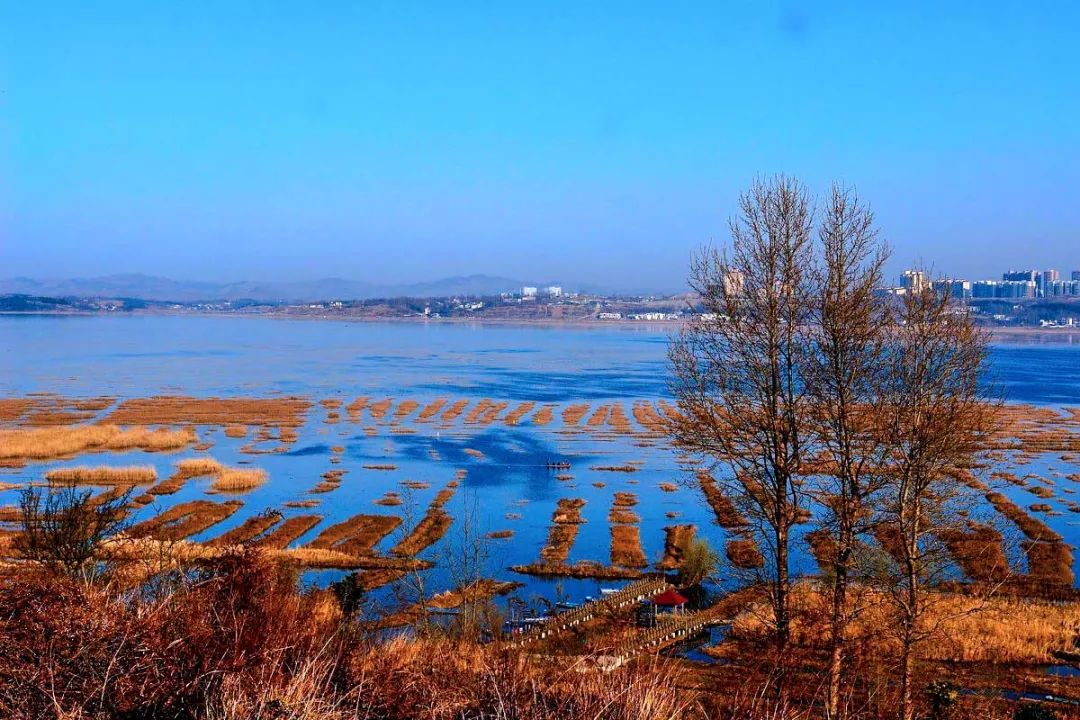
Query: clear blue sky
[[406, 141]]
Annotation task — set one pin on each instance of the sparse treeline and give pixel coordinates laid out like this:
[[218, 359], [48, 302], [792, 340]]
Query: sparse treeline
[[825, 401]]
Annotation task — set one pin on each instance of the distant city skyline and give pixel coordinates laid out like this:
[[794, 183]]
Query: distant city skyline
[[600, 143]]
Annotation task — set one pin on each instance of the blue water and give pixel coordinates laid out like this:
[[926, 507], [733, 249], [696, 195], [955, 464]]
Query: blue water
[[139, 356]]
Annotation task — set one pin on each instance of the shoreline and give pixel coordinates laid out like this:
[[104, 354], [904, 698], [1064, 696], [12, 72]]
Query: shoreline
[[1066, 334]]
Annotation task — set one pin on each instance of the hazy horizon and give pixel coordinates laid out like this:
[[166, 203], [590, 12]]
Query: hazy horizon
[[597, 145]]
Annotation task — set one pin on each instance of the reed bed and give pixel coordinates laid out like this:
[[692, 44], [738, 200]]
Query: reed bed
[[177, 410], [616, 468], [1002, 630], [647, 417], [247, 531], [499, 535], [63, 441], [1033, 528], [572, 414], [474, 453], [599, 416], [979, 552], [103, 475], [563, 531], [301, 503], [378, 410], [478, 411], [492, 413], [356, 408], [454, 411], [1040, 508], [626, 549], [618, 421], [744, 554], [668, 487], [727, 516], [1049, 562], [427, 532], [620, 512], [677, 539], [357, 535], [236, 431], [415, 484], [238, 480], [288, 532], [543, 416], [389, 499], [1040, 491], [583, 569], [404, 409], [431, 410], [184, 520], [514, 416], [331, 480]]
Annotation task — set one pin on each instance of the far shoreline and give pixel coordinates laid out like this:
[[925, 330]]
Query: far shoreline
[[1065, 335]]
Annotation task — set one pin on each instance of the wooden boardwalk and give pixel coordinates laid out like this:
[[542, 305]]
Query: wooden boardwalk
[[632, 594], [668, 631]]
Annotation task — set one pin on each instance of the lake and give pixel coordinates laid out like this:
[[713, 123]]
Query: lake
[[507, 485]]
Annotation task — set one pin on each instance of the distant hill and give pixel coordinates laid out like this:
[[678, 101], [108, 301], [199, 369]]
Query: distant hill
[[147, 287]]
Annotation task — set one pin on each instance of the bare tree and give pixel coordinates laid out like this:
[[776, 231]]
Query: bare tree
[[738, 369], [937, 417], [63, 528], [845, 378]]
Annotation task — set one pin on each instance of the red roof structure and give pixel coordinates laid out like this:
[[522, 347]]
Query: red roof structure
[[669, 598]]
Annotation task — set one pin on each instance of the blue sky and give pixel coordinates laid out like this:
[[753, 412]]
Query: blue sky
[[401, 141]]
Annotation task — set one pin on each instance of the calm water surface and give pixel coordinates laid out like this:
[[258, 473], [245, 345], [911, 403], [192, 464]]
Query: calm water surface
[[145, 355]]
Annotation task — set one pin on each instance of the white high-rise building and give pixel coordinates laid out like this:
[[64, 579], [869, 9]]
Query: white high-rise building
[[528, 292]]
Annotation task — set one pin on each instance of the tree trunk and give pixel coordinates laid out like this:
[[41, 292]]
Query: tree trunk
[[907, 710], [838, 631]]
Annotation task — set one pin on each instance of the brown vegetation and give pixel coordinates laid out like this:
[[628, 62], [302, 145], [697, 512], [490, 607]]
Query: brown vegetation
[[184, 520], [288, 531], [677, 539], [60, 442], [743, 553], [182, 410], [626, 547], [104, 475], [357, 535]]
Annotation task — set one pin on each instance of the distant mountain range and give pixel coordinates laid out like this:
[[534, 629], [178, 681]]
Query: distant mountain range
[[146, 287]]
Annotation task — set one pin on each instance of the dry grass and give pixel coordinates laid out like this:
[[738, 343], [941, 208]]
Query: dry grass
[[247, 531], [431, 527], [380, 466], [378, 410], [356, 408], [1033, 528], [616, 468], [184, 520], [177, 410], [238, 480], [544, 415], [743, 553], [1049, 562], [584, 569], [677, 539], [599, 416], [236, 431], [620, 512], [60, 442], [668, 487], [626, 547], [104, 475], [288, 531], [474, 453], [404, 409], [390, 499], [357, 535], [499, 535], [431, 410], [454, 411], [969, 629], [727, 516], [572, 415], [979, 552], [514, 416]]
